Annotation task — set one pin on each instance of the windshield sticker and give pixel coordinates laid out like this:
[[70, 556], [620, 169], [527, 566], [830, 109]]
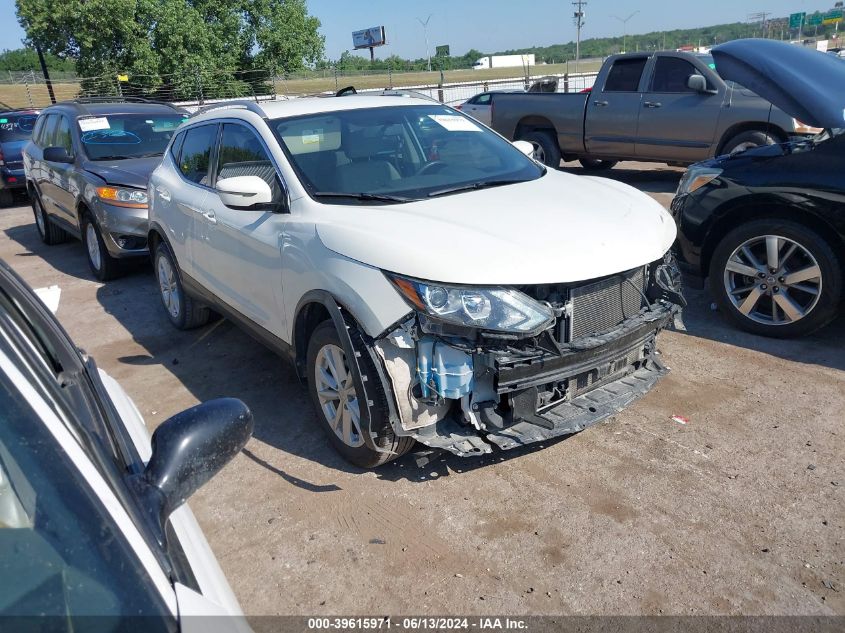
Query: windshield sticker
[[94, 123], [454, 122], [8, 127], [310, 137], [110, 137]]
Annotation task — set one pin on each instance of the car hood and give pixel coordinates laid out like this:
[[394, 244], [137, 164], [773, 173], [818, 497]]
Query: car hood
[[130, 172], [557, 229], [806, 84]]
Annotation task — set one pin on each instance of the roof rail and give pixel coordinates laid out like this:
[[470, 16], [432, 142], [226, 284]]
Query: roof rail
[[223, 105], [93, 100], [387, 92]]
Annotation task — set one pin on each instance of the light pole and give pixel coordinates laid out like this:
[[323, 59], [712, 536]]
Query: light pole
[[579, 22], [624, 22], [425, 31]]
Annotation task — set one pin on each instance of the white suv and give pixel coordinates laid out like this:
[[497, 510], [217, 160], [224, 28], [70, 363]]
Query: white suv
[[429, 280]]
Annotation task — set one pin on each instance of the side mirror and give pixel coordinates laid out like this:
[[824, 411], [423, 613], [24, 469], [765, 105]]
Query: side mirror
[[525, 147], [698, 83], [244, 192], [188, 450], [57, 155]]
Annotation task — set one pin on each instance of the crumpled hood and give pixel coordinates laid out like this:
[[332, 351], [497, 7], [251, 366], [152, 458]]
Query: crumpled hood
[[806, 84], [560, 228], [130, 172]]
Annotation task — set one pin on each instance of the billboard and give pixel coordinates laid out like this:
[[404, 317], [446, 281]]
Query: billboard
[[367, 38]]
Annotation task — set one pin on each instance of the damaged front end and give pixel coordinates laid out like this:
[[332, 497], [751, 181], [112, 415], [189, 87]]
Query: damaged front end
[[476, 368]]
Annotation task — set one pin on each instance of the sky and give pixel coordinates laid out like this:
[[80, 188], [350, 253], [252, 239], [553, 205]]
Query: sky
[[494, 25]]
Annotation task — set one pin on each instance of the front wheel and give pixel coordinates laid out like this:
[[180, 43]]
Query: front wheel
[[183, 311], [332, 390], [776, 278]]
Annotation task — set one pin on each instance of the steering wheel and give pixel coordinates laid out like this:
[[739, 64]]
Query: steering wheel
[[432, 167]]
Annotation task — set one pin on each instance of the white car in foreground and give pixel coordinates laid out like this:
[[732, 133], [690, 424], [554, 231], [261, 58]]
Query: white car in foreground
[[94, 532], [429, 280]]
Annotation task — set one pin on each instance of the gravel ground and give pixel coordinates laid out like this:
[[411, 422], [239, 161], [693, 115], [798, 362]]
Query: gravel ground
[[738, 511]]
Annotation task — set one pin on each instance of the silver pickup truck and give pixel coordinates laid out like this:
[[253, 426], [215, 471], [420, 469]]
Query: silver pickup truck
[[663, 107]]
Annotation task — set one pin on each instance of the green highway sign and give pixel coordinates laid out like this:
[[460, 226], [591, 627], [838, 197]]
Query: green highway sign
[[796, 20], [816, 19], [442, 51], [832, 17]]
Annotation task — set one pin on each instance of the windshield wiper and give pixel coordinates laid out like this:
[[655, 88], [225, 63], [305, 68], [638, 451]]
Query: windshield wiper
[[376, 197], [485, 184]]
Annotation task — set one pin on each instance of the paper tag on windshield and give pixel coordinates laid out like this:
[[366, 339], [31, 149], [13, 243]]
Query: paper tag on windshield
[[454, 122], [94, 123]]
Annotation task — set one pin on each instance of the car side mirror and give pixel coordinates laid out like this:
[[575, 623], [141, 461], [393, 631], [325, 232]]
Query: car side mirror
[[57, 155], [698, 83], [188, 450], [243, 192], [525, 147]]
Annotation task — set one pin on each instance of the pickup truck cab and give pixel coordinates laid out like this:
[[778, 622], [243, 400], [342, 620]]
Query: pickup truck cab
[[667, 107]]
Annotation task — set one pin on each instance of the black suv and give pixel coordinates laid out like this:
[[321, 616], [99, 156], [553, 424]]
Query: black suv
[[87, 168]]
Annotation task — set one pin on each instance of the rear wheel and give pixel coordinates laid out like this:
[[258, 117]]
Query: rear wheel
[[49, 233], [333, 393], [183, 311], [102, 264], [748, 140], [776, 278], [546, 149], [597, 164]]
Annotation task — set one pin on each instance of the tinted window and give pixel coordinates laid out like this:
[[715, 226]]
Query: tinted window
[[16, 127], [242, 154], [409, 151], [196, 153], [625, 75], [39, 128], [62, 548], [671, 75], [48, 132], [116, 136], [63, 137], [482, 100]]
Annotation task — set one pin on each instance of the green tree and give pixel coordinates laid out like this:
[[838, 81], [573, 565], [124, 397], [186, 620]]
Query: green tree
[[176, 47], [27, 59]]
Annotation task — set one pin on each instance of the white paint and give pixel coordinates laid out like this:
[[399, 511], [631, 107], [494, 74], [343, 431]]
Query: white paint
[[454, 123], [50, 297]]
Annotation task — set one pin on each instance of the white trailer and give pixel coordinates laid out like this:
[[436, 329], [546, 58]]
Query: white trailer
[[504, 61]]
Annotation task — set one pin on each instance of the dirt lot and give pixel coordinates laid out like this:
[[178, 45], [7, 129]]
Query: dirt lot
[[738, 511]]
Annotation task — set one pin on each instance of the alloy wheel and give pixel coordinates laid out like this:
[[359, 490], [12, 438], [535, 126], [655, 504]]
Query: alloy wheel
[[168, 287], [337, 396], [538, 153], [773, 280], [39, 218], [93, 244]]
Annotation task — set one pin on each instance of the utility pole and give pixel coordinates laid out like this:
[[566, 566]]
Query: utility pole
[[624, 22], [46, 73], [425, 31], [579, 22], [762, 17]]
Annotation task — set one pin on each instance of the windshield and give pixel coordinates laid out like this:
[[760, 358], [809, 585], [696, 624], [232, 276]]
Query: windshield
[[64, 551], [396, 154], [116, 136], [16, 127]]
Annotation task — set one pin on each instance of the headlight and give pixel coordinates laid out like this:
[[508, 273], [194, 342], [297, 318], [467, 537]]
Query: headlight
[[135, 198], [497, 309], [696, 177], [803, 128]]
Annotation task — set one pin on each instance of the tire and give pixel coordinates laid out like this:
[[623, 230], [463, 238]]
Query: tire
[[7, 198], [772, 304], [49, 233], [184, 312], [597, 164], [748, 140], [546, 149], [325, 340], [101, 263]]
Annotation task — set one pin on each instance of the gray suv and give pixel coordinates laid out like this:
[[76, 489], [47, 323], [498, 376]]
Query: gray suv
[[87, 168]]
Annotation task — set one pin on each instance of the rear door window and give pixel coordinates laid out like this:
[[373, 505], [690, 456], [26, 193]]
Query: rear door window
[[195, 157], [625, 75]]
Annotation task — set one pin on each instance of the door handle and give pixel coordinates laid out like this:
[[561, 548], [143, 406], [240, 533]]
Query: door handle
[[653, 104], [209, 215], [600, 104]]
